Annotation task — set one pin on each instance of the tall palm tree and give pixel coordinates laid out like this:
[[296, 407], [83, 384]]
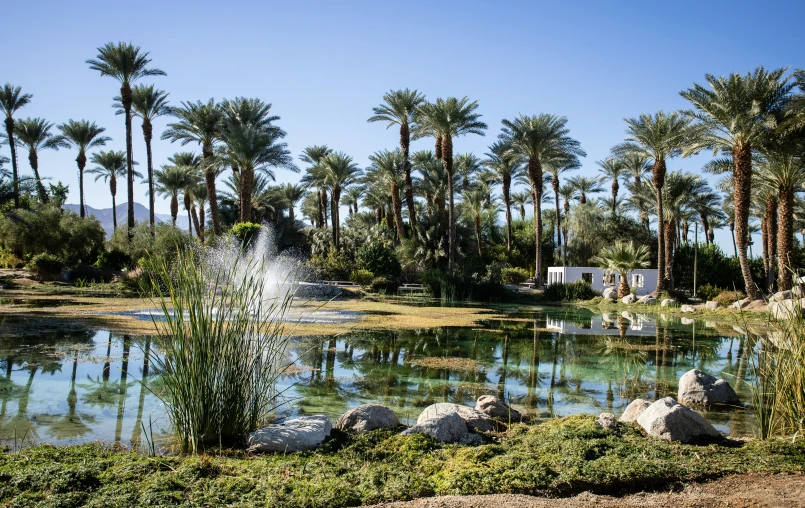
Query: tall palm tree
[[198, 194], [584, 185], [738, 114], [473, 201], [435, 187], [111, 165], [352, 197], [11, 100], [126, 63], [388, 171], [506, 166], [340, 171], [172, 180], [201, 122], [292, 194], [656, 138], [554, 167], [612, 169], [400, 108], [191, 161], [83, 136], [521, 200], [636, 167], [446, 119], [622, 258], [313, 155], [34, 134], [568, 193], [537, 139], [147, 103]]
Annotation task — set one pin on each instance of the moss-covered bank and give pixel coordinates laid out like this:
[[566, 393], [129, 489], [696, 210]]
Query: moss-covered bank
[[558, 458]]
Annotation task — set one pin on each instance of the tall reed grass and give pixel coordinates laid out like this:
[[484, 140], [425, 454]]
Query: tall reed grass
[[221, 346]]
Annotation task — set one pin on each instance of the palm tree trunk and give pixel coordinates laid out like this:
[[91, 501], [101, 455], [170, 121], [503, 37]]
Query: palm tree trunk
[[670, 234], [15, 174], [33, 160], [81, 161], [507, 181], [564, 232], [212, 195], [335, 195], [771, 237], [659, 181], [174, 209], [447, 161], [615, 188], [396, 204], [535, 175], [125, 99], [148, 135], [555, 185], [113, 190], [623, 286], [732, 232], [785, 238], [478, 234], [246, 183], [742, 173], [405, 144], [196, 224], [201, 221], [323, 206]]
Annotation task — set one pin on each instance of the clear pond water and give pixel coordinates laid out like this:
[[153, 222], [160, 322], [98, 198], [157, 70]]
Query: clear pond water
[[61, 383]]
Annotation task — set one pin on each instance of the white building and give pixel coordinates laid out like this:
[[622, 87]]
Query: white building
[[643, 281]]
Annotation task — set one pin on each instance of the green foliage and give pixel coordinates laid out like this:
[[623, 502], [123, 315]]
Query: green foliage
[[379, 259], [113, 260], [384, 285], [729, 297], [713, 268], [708, 292], [331, 266], [514, 275], [163, 245], [362, 277], [46, 266], [569, 291], [246, 231], [9, 260], [88, 273]]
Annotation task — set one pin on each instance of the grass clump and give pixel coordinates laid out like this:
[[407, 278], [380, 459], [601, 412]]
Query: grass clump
[[568, 292], [561, 457]]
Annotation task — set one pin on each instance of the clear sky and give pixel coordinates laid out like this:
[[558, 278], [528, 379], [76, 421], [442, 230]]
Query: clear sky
[[324, 65]]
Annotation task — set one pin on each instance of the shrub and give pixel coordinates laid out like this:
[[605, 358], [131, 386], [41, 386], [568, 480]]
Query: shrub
[[362, 277], [569, 291], [163, 245], [113, 260], [385, 284], [514, 275], [378, 259], [333, 266], [88, 273], [708, 292], [9, 260], [46, 266], [246, 231], [729, 297]]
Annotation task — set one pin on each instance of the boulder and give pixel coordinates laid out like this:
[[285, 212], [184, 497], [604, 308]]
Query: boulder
[[634, 410], [759, 304], [688, 308], [610, 294], [475, 420], [687, 321], [740, 304], [368, 417], [299, 434], [496, 408], [445, 428], [780, 296], [629, 299], [797, 291], [712, 305], [668, 419], [786, 309], [701, 389], [647, 300], [668, 302], [607, 421]]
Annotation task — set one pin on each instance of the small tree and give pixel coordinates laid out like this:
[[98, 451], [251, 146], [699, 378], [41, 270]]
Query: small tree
[[622, 258]]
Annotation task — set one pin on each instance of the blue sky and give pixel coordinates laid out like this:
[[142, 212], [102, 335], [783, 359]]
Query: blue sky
[[324, 65]]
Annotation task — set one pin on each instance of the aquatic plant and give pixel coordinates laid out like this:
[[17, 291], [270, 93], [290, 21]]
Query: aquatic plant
[[221, 345]]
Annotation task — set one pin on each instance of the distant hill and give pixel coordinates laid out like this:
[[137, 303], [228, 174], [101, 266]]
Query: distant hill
[[104, 215]]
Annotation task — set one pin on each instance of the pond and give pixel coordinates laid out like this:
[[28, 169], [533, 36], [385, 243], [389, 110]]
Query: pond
[[67, 384]]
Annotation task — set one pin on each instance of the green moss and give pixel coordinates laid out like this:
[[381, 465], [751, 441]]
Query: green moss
[[560, 457]]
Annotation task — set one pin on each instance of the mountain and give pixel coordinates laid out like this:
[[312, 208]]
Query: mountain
[[104, 215]]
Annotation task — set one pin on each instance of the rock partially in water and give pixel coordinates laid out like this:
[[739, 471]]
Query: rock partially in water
[[634, 410], [300, 434], [701, 389], [368, 417], [607, 421], [668, 419], [496, 408], [475, 420], [445, 427]]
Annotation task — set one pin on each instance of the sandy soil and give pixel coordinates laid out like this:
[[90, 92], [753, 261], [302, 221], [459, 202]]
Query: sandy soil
[[736, 491]]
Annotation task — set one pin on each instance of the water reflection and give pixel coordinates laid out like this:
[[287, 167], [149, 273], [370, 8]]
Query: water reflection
[[68, 385]]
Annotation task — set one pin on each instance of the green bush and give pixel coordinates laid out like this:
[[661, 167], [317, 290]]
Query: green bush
[[333, 266], [514, 275], [46, 266], [569, 291], [362, 277], [163, 245], [246, 231], [378, 259], [88, 273], [385, 285], [729, 297], [708, 292], [9, 260], [113, 260]]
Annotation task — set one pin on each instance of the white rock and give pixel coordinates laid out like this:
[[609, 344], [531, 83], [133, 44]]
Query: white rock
[[668, 302], [607, 421], [475, 420], [668, 419], [687, 321], [627, 315], [496, 408], [740, 304], [712, 305], [610, 294], [368, 417], [688, 308], [299, 434], [797, 291], [785, 309], [445, 428], [629, 299], [780, 296], [702, 389], [634, 410], [647, 300]]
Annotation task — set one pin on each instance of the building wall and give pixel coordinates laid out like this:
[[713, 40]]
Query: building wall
[[575, 273]]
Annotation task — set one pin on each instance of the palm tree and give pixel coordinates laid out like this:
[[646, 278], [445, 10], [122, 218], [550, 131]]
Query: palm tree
[[568, 193], [11, 100], [313, 155], [126, 63], [111, 165], [400, 108], [388, 171], [83, 136], [148, 103], [200, 122], [636, 167], [170, 181], [538, 139], [554, 167], [192, 161], [585, 185], [434, 186], [198, 193], [352, 198], [506, 166], [34, 134], [340, 171], [446, 119], [622, 258], [737, 115], [292, 194], [656, 138], [473, 201], [612, 169], [521, 200]]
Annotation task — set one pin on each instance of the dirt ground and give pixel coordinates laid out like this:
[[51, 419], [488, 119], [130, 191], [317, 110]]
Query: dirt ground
[[736, 491]]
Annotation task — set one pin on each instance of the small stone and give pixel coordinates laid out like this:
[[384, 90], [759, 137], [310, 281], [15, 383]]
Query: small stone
[[668, 302], [299, 434], [702, 389], [712, 305], [496, 408], [668, 419], [629, 299], [445, 428], [607, 421], [688, 308], [368, 417], [634, 410]]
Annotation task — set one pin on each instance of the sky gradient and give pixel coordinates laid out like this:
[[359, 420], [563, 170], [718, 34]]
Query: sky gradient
[[324, 65]]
